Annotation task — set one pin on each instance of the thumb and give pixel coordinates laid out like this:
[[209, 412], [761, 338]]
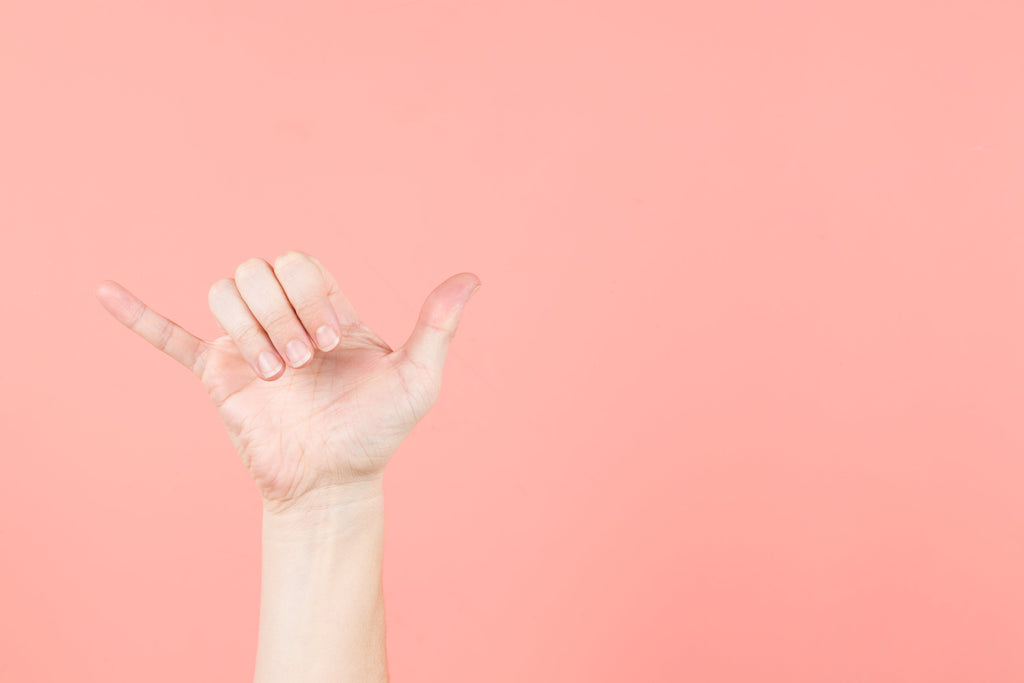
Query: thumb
[[428, 344]]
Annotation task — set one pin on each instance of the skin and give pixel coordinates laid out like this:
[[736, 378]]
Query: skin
[[315, 433]]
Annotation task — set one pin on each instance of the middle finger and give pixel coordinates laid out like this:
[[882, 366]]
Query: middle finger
[[265, 297]]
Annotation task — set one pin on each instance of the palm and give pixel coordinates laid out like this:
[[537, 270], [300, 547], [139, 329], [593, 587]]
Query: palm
[[336, 419]]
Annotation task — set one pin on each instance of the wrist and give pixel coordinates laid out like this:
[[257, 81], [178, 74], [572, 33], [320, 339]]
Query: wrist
[[327, 510]]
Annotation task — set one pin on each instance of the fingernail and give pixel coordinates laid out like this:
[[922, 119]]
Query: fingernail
[[472, 293], [269, 364], [297, 352], [326, 337]]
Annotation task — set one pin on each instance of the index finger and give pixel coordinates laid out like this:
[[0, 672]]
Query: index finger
[[162, 333]]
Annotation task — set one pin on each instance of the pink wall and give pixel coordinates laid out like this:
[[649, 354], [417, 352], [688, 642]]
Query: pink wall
[[739, 400]]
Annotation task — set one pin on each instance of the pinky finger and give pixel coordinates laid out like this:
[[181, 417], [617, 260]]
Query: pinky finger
[[162, 333]]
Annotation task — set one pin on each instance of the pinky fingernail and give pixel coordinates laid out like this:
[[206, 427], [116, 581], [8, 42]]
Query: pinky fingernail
[[269, 364]]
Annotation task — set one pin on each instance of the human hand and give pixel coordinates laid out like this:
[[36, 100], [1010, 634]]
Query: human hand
[[318, 427]]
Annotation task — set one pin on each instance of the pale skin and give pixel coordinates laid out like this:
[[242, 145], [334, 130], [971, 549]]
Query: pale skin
[[315, 432]]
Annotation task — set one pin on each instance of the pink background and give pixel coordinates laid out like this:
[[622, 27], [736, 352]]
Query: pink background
[[739, 399]]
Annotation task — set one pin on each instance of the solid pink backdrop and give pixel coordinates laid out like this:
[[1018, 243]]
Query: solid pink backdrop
[[739, 399]]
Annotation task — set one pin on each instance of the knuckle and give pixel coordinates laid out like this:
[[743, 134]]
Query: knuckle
[[279, 321], [441, 329], [250, 267], [250, 336], [219, 289], [164, 338], [289, 260], [308, 309]]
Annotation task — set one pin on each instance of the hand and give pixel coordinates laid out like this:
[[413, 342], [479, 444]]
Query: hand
[[318, 427]]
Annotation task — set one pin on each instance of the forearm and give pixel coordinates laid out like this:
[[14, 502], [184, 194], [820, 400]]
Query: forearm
[[321, 603]]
